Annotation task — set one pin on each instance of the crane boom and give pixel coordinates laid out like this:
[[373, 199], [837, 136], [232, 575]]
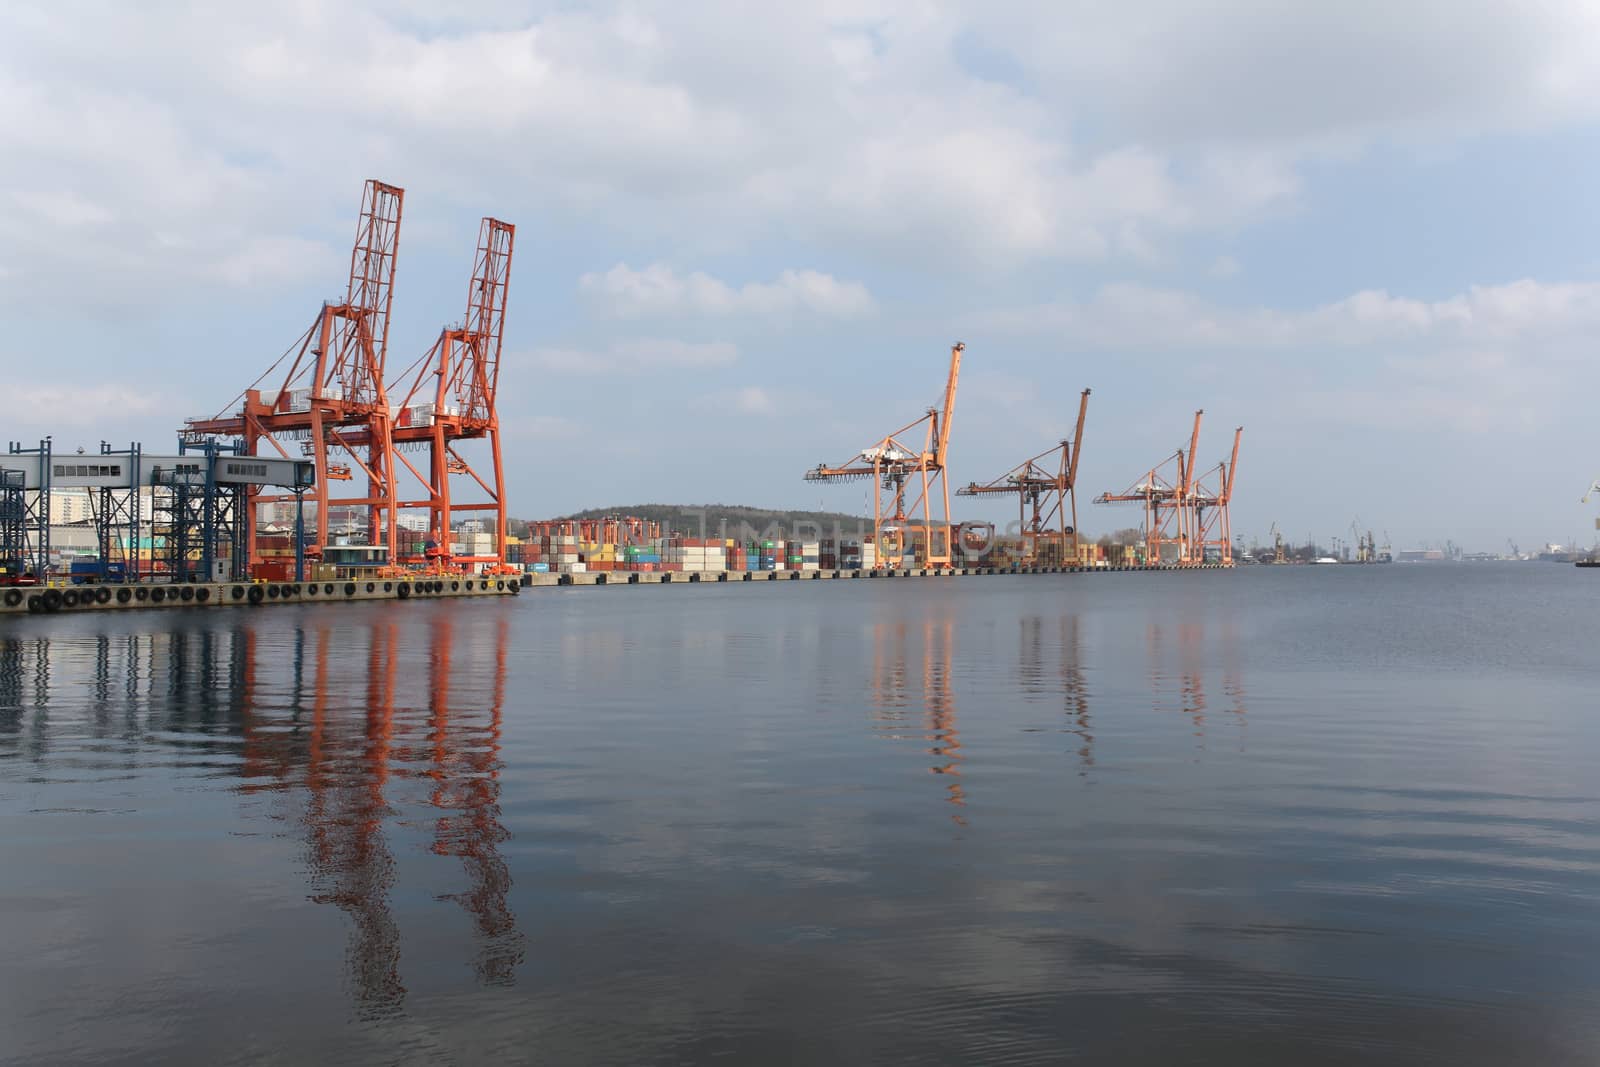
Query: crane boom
[[1077, 445], [1194, 445], [1233, 465], [949, 402]]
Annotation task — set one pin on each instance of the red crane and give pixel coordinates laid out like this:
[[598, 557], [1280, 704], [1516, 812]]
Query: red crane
[[449, 396], [331, 402], [908, 463], [1047, 502]]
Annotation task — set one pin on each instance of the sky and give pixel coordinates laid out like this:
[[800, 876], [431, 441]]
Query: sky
[[747, 236]]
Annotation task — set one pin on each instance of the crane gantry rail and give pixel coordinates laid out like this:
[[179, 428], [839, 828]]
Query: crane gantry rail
[[1046, 489], [910, 460]]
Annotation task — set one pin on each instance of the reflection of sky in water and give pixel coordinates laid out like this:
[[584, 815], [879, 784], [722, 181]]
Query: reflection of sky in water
[[1265, 816]]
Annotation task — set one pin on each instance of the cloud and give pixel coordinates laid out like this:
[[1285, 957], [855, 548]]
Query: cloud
[[540, 428], [658, 290], [633, 355], [55, 405], [747, 400], [1110, 133], [1224, 267], [1491, 356], [1127, 316]]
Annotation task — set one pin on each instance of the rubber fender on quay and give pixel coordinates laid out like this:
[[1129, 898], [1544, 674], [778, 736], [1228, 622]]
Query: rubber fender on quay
[[272, 591], [237, 592], [372, 587], [255, 595], [349, 588], [35, 604], [124, 595], [141, 594], [157, 595], [188, 593], [327, 589], [102, 595], [202, 594], [388, 587], [404, 592], [51, 599], [455, 587], [13, 598], [69, 599]]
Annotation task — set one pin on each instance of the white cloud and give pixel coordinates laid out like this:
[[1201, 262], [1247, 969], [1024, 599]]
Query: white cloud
[[1224, 267], [540, 428], [1132, 316], [1494, 355], [633, 354], [659, 290], [753, 400], [55, 405], [871, 132], [747, 400]]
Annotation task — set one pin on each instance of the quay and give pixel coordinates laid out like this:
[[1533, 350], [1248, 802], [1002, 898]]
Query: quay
[[592, 578], [55, 599]]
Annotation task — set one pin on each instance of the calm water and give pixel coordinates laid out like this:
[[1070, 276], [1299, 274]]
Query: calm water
[[1301, 815]]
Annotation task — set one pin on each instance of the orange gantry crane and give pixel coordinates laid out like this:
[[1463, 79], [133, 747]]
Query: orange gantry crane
[[449, 395], [1209, 500], [331, 403], [1047, 501], [1184, 512], [908, 462]]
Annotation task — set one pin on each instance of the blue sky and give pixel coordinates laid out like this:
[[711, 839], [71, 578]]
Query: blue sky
[[747, 239]]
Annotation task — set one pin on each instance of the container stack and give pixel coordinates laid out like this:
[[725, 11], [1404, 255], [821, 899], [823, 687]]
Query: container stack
[[696, 554]]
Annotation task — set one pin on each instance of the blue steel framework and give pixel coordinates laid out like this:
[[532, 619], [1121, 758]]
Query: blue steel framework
[[25, 524], [117, 517]]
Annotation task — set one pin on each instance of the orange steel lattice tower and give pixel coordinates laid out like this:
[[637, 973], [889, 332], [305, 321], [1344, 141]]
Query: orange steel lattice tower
[[451, 397], [1164, 492], [1046, 491], [332, 398], [910, 462], [1213, 529]]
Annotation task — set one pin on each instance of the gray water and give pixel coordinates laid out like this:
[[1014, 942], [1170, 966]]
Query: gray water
[[1283, 815]]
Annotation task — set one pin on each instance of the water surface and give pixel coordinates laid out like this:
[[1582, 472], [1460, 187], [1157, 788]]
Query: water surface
[[1284, 815]]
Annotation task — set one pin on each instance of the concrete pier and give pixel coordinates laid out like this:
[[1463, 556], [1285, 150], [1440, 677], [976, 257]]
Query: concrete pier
[[593, 578], [58, 599]]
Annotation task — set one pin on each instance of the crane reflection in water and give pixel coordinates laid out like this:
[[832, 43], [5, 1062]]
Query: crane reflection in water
[[897, 683], [371, 754]]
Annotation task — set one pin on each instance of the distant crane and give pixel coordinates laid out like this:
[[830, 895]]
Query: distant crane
[[1163, 491], [1183, 507], [1277, 544], [1045, 487], [899, 464]]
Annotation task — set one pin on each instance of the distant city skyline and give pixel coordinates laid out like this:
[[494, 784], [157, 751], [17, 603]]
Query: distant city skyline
[[747, 237]]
